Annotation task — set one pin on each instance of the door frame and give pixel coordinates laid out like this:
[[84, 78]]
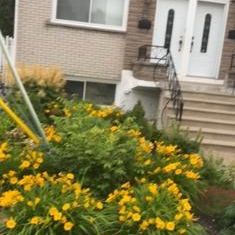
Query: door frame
[[191, 15]]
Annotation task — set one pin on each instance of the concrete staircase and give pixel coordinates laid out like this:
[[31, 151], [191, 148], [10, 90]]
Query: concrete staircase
[[211, 110]]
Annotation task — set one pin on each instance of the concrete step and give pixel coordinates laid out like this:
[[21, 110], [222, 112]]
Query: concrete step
[[213, 96], [222, 149], [207, 113], [211, 134], [199, 122], [209, 104]]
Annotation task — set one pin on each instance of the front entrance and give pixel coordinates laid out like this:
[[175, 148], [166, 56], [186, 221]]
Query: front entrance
[[206, 41]]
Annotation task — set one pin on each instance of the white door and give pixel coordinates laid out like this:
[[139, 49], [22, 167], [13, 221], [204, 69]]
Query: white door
[[170, 26], [207, 40]]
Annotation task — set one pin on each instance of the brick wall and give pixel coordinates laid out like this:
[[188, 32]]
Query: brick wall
[[137, 37], [229, 44], [83, 52]]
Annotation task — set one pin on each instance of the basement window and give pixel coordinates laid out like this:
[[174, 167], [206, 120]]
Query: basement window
[[108, 14], [97, 93]]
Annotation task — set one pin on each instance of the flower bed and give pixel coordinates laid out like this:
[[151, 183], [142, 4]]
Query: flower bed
[[104, 172]]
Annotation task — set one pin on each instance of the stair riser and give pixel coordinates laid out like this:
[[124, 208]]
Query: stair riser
[[217, 116], [212, 136], [227, 153], [202, 124], [209, 97], [209, 106]]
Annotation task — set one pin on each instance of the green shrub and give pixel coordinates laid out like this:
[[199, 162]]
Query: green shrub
[[138, 114], [227, 220], [101, 154], [175, 136], [216, 173], [152, 209]]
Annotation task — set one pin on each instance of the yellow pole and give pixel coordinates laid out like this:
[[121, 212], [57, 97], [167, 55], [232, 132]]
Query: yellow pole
[[19, 122]]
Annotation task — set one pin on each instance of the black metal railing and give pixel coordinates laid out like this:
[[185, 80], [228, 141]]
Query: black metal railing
[[161, 56], [176, 96], [232, 65], [231, 75]]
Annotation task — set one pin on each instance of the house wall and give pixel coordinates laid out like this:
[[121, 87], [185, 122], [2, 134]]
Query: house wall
[[229, 44], [83, 52], [138, 37]]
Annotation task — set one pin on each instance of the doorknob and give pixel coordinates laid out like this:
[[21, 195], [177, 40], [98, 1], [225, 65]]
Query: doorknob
[[180, 43], [192, 44]]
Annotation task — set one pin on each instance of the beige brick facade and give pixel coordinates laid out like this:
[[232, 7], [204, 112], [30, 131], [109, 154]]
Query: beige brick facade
[[84, 52], [91, 54], [229, 44], [138, 37]]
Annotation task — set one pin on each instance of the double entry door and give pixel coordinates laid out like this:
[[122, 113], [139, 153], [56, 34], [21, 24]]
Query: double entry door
[[206, 42]]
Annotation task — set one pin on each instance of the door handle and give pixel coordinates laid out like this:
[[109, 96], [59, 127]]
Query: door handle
[[180, 43], [192, 45]]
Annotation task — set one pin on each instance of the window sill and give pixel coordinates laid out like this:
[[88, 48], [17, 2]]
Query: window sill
[[85, 27]]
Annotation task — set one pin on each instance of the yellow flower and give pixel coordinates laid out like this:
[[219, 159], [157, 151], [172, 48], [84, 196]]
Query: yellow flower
[[114, 128], [68, 226], [178, 216], [136, 217], [99, 205], [178, 171], [25, 164], [185, 204], [153, 189], [144, 225], [160, 224], [10, 223], [170, 226], [35, 220], [147, 162], [13, 180], [66, 207], [192, 175], [70, 176]]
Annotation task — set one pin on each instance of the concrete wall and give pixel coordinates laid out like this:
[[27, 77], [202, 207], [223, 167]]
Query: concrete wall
[[131, 90], [83, 52]]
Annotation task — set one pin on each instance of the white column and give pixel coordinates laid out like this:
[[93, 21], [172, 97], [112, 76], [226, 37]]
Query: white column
[[189, 31]]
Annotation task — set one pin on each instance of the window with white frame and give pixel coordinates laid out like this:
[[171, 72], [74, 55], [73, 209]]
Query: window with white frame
[[98, 93], [97, 13]]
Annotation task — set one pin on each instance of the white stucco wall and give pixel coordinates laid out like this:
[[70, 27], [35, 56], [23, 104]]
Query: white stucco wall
[[131, 90]]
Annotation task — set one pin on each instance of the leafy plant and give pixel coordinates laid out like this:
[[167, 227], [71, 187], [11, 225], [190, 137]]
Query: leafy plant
[[227, 220], [176, 136], [152, 209], [216, 173]]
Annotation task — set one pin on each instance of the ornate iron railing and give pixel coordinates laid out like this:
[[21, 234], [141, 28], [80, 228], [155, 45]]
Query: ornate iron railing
[[161, 56]]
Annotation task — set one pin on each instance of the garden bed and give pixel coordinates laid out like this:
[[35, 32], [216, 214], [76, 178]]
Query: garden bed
[[103, 171]]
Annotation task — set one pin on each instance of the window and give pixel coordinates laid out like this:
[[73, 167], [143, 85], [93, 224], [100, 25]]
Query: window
[[169, 28], [206, 33], [98, 93], [93, 13]]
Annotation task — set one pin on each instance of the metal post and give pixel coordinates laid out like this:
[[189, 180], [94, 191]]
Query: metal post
[[22, 89]]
